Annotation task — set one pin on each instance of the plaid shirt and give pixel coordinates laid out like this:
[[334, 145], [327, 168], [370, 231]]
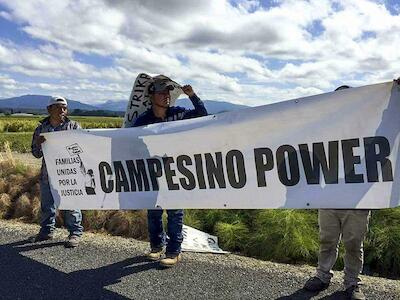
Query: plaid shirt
[[45, 126], [173, 113]]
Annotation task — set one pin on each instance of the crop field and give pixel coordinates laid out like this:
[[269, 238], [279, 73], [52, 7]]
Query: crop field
[[18, 130]]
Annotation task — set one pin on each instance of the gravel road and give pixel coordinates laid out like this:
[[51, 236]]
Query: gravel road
[[107, 267]]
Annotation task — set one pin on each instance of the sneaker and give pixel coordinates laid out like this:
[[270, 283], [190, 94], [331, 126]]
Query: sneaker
[[155, 254], [41, 237], [355, 293], [170, 260], [314, 284], [72, 241]]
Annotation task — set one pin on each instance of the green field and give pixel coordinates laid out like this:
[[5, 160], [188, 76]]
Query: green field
[[29, 123], [18, 130]]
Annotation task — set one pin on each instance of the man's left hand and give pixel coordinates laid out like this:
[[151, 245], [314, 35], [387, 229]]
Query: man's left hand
[[40, 140], [188, 90]]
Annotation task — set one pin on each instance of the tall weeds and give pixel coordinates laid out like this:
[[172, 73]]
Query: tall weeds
[[18, 188], [286, 236], [383, 245]]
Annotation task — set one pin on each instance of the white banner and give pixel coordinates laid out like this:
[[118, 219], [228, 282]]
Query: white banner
[[198, 241], [335, 150]]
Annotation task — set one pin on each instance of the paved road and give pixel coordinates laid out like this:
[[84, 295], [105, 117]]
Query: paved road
[[105, 267]]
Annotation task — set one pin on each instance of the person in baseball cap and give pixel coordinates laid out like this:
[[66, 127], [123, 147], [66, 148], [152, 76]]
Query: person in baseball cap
[[57, 100], [162, 109], [57, 120], [161, 85]]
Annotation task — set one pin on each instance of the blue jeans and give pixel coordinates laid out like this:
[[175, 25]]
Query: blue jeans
[[72, 218], [156, 230]]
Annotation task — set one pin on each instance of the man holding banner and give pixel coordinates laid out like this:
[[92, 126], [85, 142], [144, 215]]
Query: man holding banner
[[160, 111], [350, 226], [56, 121]]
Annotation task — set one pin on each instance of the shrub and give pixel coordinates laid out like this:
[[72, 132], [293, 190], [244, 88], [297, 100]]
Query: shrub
[[138, 224], [233, 236], [19, 185], [285, 236], [212, 217], [23, 208], [382, 246], [191, 218], [5, 204], [3, 185], [127, 223], [35, 204], [95, 220]]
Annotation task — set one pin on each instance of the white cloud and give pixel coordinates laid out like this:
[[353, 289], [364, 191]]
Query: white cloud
[[9, 87], [224, 50], [5, 80], [6, 15]]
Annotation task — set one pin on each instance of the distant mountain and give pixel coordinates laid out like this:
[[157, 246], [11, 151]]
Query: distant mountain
[[213, 107], [113, 105], [39, 102]]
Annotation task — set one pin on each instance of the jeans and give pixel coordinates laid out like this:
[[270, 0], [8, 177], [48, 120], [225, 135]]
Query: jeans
[[72, 218], [174, 230]]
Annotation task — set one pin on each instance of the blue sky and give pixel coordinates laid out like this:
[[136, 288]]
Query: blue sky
[[247, 52]]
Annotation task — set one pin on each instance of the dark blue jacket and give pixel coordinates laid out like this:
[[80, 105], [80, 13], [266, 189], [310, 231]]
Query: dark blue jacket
[[173, 113]]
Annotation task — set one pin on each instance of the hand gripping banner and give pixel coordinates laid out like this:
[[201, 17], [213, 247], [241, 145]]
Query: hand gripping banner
[[335, 150]]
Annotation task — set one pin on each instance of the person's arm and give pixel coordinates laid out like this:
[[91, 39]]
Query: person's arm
[[37, 141], [199, 108]]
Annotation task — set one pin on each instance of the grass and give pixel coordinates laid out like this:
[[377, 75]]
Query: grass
[[383, 245], [286, 235]]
